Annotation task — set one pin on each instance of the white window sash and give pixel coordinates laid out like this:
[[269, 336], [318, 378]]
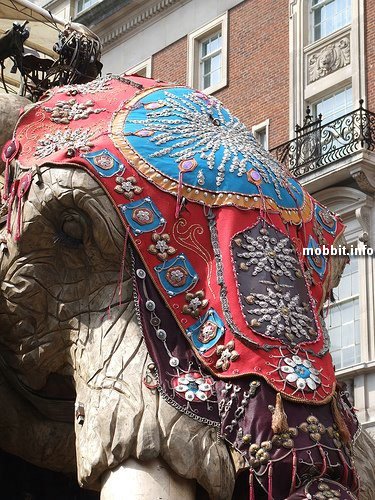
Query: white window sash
[[210, 55]]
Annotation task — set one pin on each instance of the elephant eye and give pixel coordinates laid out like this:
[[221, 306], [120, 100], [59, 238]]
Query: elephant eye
[[71, 230]]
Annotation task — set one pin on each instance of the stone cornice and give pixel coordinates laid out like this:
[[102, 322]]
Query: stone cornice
[[134, 20]]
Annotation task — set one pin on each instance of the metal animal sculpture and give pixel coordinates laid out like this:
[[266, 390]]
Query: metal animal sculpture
[[153, 273], [11, 46], [78, 59]]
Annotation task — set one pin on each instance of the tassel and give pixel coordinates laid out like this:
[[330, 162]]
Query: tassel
[[294, 472], [23, 187], [270, 489], [17, 234], [183, 167], [11, 199], [9, 152], [340, 422], [251, 485], [6, 181], [279, 418], [178, 201], [324, 460], [344, 478]]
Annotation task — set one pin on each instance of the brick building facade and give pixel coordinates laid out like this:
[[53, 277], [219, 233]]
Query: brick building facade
[[257, 72]]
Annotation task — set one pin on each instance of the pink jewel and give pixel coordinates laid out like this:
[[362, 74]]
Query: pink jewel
[[153, 105], [202, 96], [254, 176], [10, 150], [187, 165], [144, 133]]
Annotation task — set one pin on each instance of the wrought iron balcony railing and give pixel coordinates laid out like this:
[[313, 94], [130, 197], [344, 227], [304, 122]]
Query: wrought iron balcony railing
[[317, 145]]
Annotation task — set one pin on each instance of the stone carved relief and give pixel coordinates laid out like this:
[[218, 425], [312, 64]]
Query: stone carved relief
[[330, 58]]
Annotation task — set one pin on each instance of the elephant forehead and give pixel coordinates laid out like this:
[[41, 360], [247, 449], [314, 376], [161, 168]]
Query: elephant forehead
[[178, 136]]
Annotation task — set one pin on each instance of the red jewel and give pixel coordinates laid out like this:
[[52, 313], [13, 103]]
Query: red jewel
[[10, 150]]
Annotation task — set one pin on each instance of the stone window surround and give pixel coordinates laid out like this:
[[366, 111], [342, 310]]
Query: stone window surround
[[343, 73], [302, 93], [147, 65], [265, 125], [194, 39], [355, 208]]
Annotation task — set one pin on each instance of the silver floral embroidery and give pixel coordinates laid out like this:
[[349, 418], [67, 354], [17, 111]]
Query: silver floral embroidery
[[71, 139], [66, 111], [265, 253], [98, 85], [283, 314], [177, 275], [144, 216], [300, 373]]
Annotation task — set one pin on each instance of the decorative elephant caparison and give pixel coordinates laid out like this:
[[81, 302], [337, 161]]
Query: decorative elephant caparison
[[152, 271]]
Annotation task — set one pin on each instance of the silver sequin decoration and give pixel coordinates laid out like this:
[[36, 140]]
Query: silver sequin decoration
[[200, 125]]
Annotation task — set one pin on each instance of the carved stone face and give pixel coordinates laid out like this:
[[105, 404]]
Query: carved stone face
[[67, 320], [326, 59]]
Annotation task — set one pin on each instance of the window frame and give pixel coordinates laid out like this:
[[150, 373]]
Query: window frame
[[256, 129], [355, 207], [319, 5], [338, 303], [92, 3], [195, 40], [147, 65], [331, 92]]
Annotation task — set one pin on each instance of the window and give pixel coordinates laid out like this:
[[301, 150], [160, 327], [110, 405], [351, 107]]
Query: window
[[208, 56], [334, 105], [260, 133], [332, 137], [210, 62], [85, 4], [329, 16], [343, 319], [63, 14], [142, 69]]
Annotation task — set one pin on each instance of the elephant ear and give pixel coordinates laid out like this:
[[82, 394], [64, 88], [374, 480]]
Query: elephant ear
[[11, 106]]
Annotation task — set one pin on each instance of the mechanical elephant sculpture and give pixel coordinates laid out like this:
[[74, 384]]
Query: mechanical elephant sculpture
[[152, 271]]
